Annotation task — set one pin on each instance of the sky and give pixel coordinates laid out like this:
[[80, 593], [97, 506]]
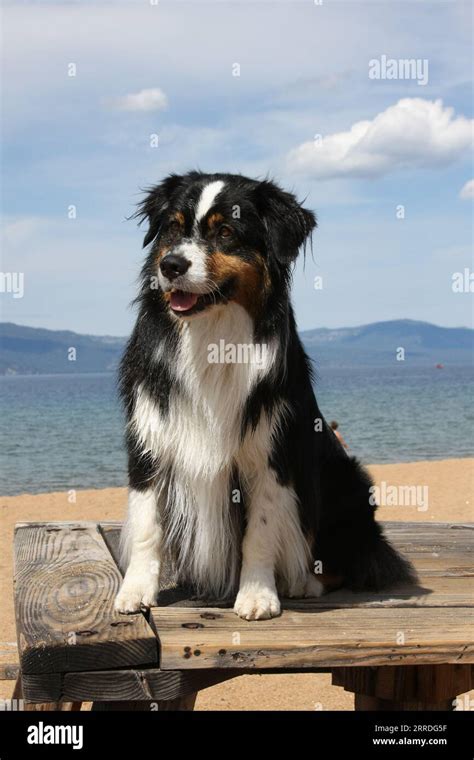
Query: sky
[[102, 99]]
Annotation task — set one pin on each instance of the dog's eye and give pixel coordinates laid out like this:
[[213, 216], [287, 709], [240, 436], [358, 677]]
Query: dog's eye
[[174, 227], [225, 231]]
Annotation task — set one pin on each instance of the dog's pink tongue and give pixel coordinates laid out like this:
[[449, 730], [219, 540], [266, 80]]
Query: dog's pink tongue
[[181, 301]]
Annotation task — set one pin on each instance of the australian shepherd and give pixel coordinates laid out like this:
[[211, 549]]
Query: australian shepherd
[[235, 479]]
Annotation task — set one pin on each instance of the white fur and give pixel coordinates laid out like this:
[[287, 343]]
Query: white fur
[[274, 545], [140, 544], [207, 199], [196, 279], [200, 435], [199, 440]]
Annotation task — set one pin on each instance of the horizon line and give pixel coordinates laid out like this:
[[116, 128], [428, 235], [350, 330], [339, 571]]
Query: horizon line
[[306, 330]]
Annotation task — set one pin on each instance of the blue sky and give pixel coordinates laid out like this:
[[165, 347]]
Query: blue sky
[[167, 69]]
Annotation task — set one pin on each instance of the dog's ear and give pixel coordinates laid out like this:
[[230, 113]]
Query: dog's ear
[[154, 205], [287, 223]]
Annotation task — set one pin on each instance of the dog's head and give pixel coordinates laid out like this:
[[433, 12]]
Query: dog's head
[[220, 238]]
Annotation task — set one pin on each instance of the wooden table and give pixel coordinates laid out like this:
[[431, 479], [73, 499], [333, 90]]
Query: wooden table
[[408, 648]]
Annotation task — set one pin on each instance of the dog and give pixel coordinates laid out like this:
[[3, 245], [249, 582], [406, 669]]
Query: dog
[[235, 479]]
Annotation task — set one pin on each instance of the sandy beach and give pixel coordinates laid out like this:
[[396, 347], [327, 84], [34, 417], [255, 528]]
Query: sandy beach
[[446, 491]]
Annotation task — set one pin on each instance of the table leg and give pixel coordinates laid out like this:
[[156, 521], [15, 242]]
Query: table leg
[[405, 687], [181, 703], [42, 706]]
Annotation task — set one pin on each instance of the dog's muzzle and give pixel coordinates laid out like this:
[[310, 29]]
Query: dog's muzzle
[[174, 265]]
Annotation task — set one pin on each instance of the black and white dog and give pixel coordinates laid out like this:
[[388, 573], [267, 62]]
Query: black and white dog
[[234, 475]]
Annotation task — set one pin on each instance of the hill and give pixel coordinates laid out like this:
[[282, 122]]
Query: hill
[[31, 350], [377, 344]]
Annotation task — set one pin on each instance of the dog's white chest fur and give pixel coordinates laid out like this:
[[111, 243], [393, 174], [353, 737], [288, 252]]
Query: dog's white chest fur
[[200, 434], [198, 439]]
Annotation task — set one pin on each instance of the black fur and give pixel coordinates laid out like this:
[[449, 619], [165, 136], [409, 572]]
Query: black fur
[[332, 488]]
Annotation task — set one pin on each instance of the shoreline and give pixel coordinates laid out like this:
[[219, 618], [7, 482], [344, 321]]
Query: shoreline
[[374, 468]]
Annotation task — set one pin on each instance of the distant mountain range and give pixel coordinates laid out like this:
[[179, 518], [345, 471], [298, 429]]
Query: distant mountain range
[[37, 351], [31, 350], [377, 344]]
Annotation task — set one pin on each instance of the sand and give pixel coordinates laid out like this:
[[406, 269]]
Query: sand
[[450, 492]]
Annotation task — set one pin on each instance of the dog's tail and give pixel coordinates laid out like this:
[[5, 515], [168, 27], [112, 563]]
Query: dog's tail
[[378, 566], [349, 542]]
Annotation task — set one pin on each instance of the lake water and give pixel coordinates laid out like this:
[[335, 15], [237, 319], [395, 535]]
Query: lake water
[[62, 432]]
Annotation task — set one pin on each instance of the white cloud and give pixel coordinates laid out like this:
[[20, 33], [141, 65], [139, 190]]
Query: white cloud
[[17, 232], [467, 191], [152, 99], [412, 133]]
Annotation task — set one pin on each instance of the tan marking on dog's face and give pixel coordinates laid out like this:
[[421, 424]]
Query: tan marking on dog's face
[[161, 252], [214, 220], [250, 278], [178, 217]]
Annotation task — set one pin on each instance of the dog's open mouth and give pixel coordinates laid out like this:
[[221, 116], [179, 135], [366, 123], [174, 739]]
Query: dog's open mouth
[[184, 303]]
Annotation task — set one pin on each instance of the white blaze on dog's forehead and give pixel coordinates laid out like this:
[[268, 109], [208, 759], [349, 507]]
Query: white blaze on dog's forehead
[[208, 197]]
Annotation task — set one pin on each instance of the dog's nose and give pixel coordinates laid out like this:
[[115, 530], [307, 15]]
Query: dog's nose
[[173, 265]]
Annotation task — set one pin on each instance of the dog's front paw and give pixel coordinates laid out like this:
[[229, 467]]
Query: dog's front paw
[[257, 604], [137, 591]]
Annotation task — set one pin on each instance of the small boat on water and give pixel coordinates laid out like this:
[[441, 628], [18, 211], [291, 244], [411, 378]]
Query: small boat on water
[[439, 366]]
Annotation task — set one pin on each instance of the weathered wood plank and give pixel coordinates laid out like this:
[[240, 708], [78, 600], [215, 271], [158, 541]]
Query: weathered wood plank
[[457, 564], [65, 583], [417, 530], [41, 687], [432, 591], [441, 553], [412, 687], [407, 526], [205, 638], [149, 684], [436, 549], [37, 705], [413, 683], [111, 534]]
